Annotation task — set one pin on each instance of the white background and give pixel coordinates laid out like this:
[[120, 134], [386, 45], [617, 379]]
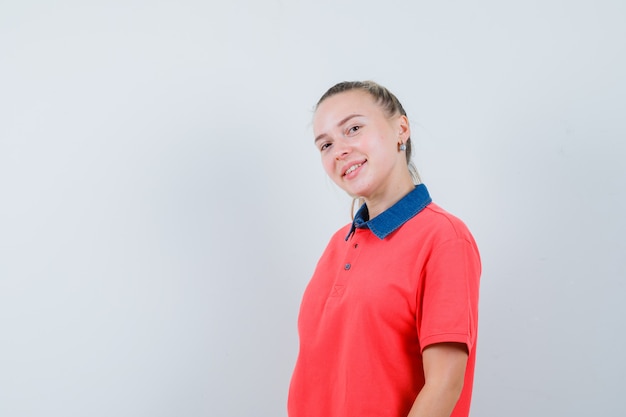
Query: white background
[[162, 205]]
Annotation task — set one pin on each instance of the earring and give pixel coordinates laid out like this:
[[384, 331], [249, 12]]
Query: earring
[[402, 147]]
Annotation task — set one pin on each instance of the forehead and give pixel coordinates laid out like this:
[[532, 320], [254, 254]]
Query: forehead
[[335, 108]]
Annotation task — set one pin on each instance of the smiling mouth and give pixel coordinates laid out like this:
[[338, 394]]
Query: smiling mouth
[[352, 168]]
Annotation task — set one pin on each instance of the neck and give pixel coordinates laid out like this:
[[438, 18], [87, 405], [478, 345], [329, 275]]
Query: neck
[[378, 204]]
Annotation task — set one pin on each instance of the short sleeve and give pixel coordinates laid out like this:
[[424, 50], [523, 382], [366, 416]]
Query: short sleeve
[[448, 295]]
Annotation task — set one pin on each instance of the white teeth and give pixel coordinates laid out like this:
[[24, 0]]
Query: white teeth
[[352, 168]]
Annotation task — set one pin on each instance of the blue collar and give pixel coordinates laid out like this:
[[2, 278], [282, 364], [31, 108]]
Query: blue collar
[[395, 216]]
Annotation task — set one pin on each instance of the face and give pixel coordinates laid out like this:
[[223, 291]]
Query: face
[[358, 144]]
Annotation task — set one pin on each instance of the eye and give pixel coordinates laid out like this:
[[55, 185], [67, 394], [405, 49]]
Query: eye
[[354, 129], [324, 146]]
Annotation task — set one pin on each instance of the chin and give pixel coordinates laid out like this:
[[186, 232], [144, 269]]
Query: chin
[[357, 193], [355, 190]]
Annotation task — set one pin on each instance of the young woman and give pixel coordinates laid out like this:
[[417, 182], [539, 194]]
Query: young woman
[[388, 321]]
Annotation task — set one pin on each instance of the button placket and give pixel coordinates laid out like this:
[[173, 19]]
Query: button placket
[[351, 254], [343, 278]]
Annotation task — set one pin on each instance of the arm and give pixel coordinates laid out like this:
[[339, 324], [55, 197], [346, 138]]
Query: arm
[[444, 373]]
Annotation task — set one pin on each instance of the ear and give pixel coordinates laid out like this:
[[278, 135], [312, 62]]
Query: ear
[[404, 129]]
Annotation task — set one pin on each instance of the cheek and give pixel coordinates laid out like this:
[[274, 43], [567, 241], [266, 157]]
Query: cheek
[[328, 163]]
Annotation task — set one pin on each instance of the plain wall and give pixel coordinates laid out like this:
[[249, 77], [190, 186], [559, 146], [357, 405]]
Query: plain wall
[[162, 205]]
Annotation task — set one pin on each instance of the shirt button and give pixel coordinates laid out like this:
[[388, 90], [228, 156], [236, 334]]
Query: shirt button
[[347, 267]]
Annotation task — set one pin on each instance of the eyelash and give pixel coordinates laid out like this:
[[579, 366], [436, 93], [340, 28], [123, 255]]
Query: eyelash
[[352, 130]]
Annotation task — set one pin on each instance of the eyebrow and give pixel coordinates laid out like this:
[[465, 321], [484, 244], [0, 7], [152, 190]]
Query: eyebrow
[[344, 120]]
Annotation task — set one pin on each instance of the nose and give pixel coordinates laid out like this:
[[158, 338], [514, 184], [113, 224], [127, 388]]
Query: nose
[[342, 149]]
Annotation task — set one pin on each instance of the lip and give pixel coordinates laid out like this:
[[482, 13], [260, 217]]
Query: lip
[[347, 166]]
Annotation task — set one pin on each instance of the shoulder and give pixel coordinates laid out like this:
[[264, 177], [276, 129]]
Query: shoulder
[[433, 219], [339, 237], [336, 244]]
